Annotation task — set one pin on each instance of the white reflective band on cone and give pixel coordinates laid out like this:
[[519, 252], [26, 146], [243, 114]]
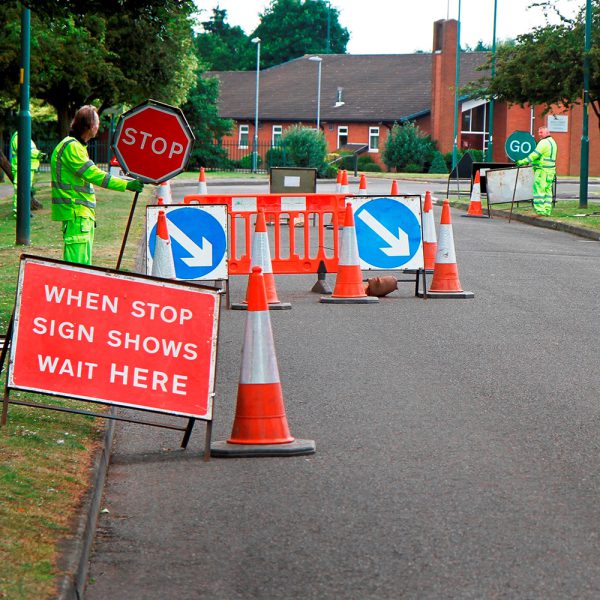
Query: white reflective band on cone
[[428, 227], [349, 249], [162, 262], [202, 189], [476, 192], [260, 255], [445, 250], [259, 363]]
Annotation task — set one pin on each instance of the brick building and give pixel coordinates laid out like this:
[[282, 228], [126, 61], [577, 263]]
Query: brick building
[[362, 96]]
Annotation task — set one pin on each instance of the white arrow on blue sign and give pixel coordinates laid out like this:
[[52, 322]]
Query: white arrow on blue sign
[[198, 238], [389, 232]]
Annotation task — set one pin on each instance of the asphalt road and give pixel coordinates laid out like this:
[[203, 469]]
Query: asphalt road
[[457, 447]]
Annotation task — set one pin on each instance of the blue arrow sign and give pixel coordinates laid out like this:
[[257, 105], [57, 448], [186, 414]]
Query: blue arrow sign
[[198, 239], [388, 232]]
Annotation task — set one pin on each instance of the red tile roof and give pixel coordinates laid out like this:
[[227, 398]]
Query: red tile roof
[[376, 88]]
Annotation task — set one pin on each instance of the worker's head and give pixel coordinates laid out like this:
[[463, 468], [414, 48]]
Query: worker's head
[[85, 124], [543, 132]]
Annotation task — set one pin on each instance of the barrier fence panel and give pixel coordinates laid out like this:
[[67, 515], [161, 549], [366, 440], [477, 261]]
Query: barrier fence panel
[[298, 247]]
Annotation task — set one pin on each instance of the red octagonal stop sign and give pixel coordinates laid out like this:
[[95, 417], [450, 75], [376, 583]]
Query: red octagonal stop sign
[[153, 141]]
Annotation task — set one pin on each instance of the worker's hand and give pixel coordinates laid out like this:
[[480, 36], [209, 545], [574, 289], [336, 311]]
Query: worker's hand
[[135, 186]]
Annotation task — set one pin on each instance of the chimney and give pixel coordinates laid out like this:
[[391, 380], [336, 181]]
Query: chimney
[[442, 83]]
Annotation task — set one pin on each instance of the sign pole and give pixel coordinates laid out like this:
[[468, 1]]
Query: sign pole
[[122, 251]]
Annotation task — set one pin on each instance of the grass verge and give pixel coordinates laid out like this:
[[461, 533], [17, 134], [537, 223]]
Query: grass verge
[[46, 455]]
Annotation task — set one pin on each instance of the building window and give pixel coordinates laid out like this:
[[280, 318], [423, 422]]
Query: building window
[[373, 139], [474, 125], [276, 135], [243, 136], [342, 136]]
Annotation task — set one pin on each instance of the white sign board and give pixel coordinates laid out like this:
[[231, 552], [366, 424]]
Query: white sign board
[[558, 123], [501, 184]]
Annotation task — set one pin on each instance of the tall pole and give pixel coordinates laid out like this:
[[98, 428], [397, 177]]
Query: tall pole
[[585, 140], [456, 80], [24, 138], [318, 60], [328, 39], [490, 146], [256, 40]]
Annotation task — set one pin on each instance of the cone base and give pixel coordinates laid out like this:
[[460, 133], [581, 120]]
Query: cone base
[[447, 295], [321, 287], [278, 306], [476, 216], [295, 448], [360, 300]]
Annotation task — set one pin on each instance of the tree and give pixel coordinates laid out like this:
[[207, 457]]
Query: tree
[[291, 28], [96, 59], [545, 67], [304, 147], [407, 145], [222, 47], [202, 114]]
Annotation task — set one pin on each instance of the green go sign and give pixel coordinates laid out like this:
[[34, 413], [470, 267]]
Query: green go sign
[[519, 144]]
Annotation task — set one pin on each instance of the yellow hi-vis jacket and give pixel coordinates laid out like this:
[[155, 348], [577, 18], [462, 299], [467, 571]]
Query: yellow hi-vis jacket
[[544, 155], [14, 154], [72, 175]]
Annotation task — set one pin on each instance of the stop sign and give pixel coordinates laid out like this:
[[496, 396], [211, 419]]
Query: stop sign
[[153, 142]]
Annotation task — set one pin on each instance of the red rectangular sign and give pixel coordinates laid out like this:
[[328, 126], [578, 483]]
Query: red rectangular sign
[[114, 338]]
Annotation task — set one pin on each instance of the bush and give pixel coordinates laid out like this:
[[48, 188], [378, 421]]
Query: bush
[[246, 161], [328, 171], [438, 164], [304, 147], [413, 168], [407, 145], [371, 168], [275, 157]]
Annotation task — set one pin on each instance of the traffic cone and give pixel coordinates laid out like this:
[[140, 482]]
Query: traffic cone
[[349, 288], [394, 190], [345, 189], [475, 203], [202, 189], [445, 283], [162, 260], [338, 182], [260, 426], [429, 236], [260, 255], [165, 192], [362, 186]]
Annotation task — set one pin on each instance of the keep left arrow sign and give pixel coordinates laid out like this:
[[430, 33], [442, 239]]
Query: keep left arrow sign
[[397, 245], [201, 257]]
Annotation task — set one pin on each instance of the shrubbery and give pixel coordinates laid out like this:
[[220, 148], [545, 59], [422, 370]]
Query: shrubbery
[[304, 147], [407, 147]]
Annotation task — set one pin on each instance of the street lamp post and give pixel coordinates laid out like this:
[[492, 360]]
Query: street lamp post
[[256, 41], [318, 60], [585, 140]]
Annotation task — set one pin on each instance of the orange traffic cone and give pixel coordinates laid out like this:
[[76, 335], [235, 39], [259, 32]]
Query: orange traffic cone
[[338, 182], [349, 288], [202, 189], [445, 283], [475, 203], [362, 187], [261, 256], [162, 259], [160, 200], [260, 427], [345, 189], [429, 236], [165, 192], [394, 190]]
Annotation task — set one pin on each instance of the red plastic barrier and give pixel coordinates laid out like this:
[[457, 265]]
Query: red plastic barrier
[[284, 212]]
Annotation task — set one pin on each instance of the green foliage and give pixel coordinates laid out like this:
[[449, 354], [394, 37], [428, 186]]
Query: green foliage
[[407, 145], [246, 161], [222, 47], [545, 66], [367, 163], [304, 147], [292, 28], [438, 164], [275, 157], [203, 116]]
